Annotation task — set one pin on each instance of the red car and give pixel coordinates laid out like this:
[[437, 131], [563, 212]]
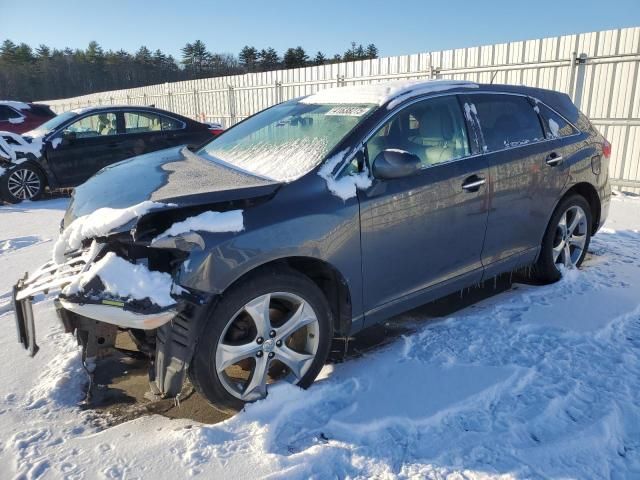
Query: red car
[[20, 117]]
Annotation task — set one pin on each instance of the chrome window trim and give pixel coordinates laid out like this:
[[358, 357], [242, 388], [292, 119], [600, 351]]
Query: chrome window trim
[[350, 156]]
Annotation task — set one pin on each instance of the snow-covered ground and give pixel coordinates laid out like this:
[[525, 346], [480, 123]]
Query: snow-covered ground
[[535, 382]]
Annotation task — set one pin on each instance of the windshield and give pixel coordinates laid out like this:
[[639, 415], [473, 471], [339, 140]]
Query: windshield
[[286, 141], [51, 125]]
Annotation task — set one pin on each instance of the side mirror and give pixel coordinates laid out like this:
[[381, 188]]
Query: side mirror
[[394, 163]]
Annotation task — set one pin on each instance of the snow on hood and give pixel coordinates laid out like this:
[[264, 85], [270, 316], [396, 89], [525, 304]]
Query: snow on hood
[[15, 104], [21, 145], [381, 93], [346, 186], [124, 280], [213, 222], [98, 224]]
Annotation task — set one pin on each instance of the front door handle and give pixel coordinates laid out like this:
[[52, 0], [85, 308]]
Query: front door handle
[[554, 159], [473, 183]]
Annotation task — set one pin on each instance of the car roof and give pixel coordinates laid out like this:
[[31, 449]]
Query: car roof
[[105, 108], [16, 104]]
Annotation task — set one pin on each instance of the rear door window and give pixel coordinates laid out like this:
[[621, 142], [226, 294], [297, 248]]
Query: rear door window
[[507, 121], [555, 126], [143, 122]]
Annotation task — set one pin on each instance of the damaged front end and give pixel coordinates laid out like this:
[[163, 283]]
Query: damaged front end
[[121, 283]]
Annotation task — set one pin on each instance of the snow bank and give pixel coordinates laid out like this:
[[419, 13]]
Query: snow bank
[[231, 221], [346, 186], [98, 224], [125, 280], [380, 93]]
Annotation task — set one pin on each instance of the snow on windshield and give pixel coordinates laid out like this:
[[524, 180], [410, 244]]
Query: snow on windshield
[[287, 141]]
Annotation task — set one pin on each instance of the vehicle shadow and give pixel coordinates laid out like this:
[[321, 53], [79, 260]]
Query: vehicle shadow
[[121, 382]]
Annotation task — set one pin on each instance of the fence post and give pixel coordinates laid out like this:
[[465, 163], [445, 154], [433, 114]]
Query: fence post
[[144, 99], [232, 106], [196, 104], [279, 92]]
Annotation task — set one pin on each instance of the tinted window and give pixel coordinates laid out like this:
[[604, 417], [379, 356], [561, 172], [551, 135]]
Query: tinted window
[[507, 121], [101, 124], [433, 130], [554, 124], [142, 122], [6, 113]]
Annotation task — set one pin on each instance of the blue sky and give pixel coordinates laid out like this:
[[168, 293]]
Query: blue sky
[[395, 26]]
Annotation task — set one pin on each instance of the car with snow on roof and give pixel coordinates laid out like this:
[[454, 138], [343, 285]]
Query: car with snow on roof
[[20, 117], [237, 264], [68, 149]]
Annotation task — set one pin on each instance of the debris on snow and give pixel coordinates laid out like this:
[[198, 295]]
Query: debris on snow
[[214, 222], [125, 280], [98, 224]]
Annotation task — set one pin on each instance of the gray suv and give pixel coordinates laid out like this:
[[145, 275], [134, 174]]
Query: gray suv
[[239, 263]]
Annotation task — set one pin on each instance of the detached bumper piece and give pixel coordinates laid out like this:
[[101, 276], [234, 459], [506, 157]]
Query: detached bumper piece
[[24, 320]]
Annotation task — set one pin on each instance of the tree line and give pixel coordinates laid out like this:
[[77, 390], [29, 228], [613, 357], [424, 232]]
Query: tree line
[[45, 73]]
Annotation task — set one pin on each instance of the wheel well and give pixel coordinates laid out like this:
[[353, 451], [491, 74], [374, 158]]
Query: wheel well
[[590, 194], [326, 277]]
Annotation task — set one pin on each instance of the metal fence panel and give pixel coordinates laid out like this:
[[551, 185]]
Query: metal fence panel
[[599, 70]]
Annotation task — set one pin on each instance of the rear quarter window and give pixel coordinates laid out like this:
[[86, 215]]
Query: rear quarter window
[[555, 126], [507, 121], [7, 113]]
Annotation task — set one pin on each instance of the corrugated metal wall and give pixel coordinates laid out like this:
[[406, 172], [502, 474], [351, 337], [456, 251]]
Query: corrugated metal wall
[[599, 70]]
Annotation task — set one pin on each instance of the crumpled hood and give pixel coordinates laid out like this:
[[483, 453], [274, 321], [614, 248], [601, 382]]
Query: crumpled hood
[[174, 176]]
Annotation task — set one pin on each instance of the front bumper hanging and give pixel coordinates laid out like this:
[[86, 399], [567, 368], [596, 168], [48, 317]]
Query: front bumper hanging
[[53, 278]]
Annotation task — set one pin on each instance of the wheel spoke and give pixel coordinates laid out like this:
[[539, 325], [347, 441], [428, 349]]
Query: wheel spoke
[[297, 362], [579, 216], [302, 317], [567, 255], [228, 355], [577, 240], [258, 309], [557, 251], [257, 386]]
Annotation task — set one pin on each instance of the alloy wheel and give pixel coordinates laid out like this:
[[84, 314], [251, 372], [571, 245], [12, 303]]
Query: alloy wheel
[[274, 337], [24, 184], [570, 237]]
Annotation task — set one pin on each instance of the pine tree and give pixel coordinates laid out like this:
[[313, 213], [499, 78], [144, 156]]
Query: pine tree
[[249, 58], [268, 59], [372, 51], [320, 59]]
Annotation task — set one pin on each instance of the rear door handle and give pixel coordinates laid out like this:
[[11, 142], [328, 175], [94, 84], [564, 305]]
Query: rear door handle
[[554, 159], [473, 183]]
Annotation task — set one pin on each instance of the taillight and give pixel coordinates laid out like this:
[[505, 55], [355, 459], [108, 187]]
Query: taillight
[[606, 149], [215, 131]]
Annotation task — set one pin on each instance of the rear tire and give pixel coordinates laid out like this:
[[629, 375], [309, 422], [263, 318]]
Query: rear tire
[[238, 352], [22, 182], [566, 240]]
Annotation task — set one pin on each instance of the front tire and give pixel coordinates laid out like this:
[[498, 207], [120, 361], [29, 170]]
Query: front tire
[[566, 239], [24, 182], [273, 327]]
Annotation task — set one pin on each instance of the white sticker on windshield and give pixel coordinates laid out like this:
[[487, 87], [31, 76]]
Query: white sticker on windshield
[[348, 111]]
